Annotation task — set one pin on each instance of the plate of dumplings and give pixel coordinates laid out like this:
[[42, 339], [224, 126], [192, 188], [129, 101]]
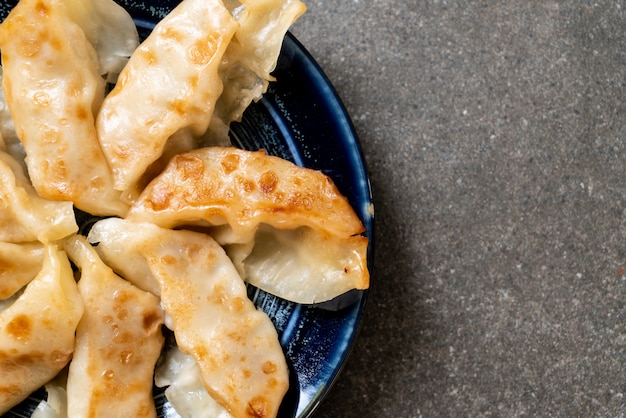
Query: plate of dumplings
[[186, 218]]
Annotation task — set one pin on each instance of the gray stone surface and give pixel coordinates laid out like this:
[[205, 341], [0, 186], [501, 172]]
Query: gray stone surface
[[495, 137]]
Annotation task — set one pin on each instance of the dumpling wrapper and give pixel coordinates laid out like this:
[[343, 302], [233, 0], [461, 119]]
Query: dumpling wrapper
[[9, 142], [287, 228], [181, 375], [169, 85], [19, 264], [250, 58], [235, 345], [53, 88], [55, 404], [110, 29], [37, 330], [24, 215], [229, 186], [118, 342]]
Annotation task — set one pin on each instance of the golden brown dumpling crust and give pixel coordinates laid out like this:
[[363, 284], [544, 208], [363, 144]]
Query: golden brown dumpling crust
[[118, 342], [170, 83], [37, 330], [24, 215], [222, 185], [234, 344], [19, 264], [52, 86]]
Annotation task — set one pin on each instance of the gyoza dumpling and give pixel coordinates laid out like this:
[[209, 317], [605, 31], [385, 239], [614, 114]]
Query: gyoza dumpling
[[181, 375], [53, 88], [250, 58], [242, 189], [170, 84], [234, 344], [24, 215], [118, 342], [9, 142], [19, 264], [110, 29], [288, 229], [37, 330]]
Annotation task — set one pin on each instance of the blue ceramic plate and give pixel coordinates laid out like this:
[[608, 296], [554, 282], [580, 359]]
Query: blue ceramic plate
[[302, 119]]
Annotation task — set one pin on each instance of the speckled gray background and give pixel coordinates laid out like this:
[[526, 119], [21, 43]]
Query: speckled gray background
[[495, 137]]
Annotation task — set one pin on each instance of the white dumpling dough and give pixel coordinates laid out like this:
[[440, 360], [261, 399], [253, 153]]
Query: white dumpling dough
[[235, 345], [170, 84], [37, 330], [53, 88], [118, 342]]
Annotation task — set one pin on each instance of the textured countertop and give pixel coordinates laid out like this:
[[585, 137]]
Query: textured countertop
[[495, 137]]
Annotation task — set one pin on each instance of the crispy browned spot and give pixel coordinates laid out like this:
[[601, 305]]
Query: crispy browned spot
[[145, 410], [268, 182], [203, 50], [247, 186], [42, 8], [9, 390], [28, 359], [121, 151], [189, 167], [148, 55], [108, 374], [237, 304], [123, 338], [51, 137], [269, 367], [121, 297], [82, 113], [122, 314], [160, 198], [201, 352], [230, 163], [75, 88], [126, 356], [257, 407], [55, 43], [177, 106], [171, 33], [20, 328], [151, 320], [168, 259]]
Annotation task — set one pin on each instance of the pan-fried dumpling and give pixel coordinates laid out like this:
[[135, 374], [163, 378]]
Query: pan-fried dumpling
[[37, 330], [110, 29], [227, 185], [250, 58], [181, 375], [235, 345], [118, 342], [308, 249], [9, 142], [53, 88], [24, 215], [19, 264], [302, 265], [170, 84]]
